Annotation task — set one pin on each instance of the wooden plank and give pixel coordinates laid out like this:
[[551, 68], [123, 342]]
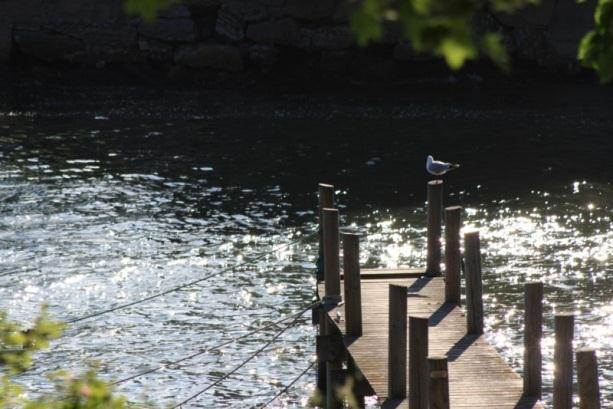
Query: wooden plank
[[384, 273], [471, 359]]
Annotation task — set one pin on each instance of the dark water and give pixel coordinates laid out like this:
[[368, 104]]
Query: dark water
[[97, 212]]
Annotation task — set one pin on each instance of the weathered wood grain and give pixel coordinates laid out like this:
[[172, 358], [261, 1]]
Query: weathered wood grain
[[478, 376]]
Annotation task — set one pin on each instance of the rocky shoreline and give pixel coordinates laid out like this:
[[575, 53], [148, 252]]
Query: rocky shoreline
[[283, 38]]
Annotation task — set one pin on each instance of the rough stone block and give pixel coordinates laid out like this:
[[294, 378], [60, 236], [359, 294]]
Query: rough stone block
[[326, 38], [250, 10], [284, 31], [171, 30], [335, 61], [155, 50], [178, 11], [81, 12], [205, 26], [216, 56], [205, 4], [229, 24], [47, 46], [311, 9], [6, 41], [263, 56], [21, 11]]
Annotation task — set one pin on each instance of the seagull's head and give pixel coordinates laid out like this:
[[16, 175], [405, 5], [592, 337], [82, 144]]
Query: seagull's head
[[430, 159]]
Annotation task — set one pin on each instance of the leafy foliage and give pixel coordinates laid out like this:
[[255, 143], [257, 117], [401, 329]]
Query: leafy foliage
[[147, 9], [442, 27], [596, 48], [17, 346]]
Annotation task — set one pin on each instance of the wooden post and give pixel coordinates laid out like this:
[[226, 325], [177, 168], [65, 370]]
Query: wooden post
[[452, 254], [332, 399], [326, 200], [587, 377], [533, 332], [435, 210], [563, 361], [419, 377], [474, 286], [352, 285], [397, 343], [439, 382], [331, 257], [321, 364]]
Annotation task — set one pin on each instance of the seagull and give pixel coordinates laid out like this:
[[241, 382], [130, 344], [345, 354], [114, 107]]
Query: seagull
[[435, 167]]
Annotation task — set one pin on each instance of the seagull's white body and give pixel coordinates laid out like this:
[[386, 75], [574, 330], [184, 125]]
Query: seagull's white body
[[438, 168]]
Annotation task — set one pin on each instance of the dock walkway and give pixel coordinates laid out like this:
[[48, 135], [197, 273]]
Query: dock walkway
[[409, 337], [478, 376]]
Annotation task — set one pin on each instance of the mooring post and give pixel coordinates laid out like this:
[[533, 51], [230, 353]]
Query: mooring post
[[352, 285], [563, 361], [332, 274], [419, 377], [321, 364], [474, 286], [326, 200], [333, 366], [452, 254], [533, 332], [435, 210], [439, 382], [397, 343], [587, 377]]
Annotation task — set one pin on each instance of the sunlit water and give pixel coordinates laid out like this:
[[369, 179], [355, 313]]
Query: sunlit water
[[101, 213]]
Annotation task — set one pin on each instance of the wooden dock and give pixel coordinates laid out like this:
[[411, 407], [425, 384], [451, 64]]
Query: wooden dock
[[408, 337], [478, 376]]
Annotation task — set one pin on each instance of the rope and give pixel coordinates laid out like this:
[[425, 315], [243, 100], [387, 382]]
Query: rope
[[216, 347], [288, 386], [239, 366], [182, 286]]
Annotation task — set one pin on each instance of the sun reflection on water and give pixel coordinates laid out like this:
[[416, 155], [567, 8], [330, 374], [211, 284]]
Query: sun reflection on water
[[564, 241]]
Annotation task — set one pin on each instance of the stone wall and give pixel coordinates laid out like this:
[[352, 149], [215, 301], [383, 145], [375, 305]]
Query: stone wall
[[305, 36]]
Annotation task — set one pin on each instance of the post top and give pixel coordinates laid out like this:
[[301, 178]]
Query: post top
[[471, 233], [329, 210], [534, 284], [565, 314], [418, 317], [586, 350], [350, 234], [453, 208], [435, 182], [437, 357], [326, 186]]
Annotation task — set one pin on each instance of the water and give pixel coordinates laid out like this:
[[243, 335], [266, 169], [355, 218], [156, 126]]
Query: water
[[99, 212]]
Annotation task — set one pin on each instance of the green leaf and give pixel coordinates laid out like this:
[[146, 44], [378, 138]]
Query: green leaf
[[596, 47], [456, 52], [365, 22], [493, 47], [147, 9]]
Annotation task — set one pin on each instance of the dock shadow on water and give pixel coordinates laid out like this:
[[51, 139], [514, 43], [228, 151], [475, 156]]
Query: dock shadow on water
[[100, 212]]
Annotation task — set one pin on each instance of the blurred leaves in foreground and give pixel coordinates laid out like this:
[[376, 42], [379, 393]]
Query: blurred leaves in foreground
[[596, 48], [441, 27], [17, 345], [445, 28]]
